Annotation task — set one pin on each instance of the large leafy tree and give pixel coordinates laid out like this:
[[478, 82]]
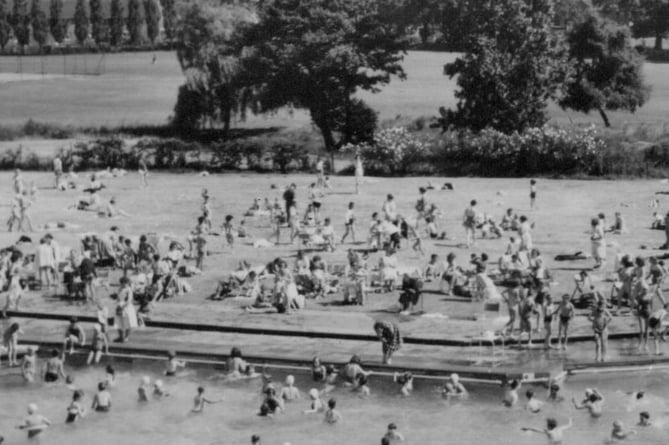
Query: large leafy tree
[[315, 55], [39, 24], [57, 25], [152, 17], [99, 29], [209, 55], [513, 65], [134, 22], [169, 18], [81, 24], [608, 70], [21, 23], [652, 20], [5, 27], [116, 23]]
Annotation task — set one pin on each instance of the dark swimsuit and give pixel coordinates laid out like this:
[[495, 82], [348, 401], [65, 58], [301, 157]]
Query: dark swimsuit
[[71, 417], [50, 377], [102, 409]]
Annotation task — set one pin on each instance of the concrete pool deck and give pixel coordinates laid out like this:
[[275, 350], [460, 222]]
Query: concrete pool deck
[[431, 357]]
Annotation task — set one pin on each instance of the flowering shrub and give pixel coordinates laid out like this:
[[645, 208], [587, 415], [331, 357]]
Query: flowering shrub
[[394, 151], [537, 150]]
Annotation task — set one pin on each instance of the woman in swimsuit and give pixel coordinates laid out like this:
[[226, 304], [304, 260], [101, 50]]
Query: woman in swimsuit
[[656, 324], [53, 368], [547, 309]]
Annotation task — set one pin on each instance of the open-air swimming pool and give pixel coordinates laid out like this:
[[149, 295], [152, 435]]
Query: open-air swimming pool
[[424, 418]]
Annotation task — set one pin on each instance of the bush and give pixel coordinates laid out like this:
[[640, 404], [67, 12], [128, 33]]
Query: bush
[[238, 154], [49, 131], [287, 156], [19, 158], [394, 151], [168, 153]]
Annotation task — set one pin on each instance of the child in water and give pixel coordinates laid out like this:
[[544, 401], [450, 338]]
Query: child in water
[[619, 433], [332, 416], [453, 387], [552, 431], [173, 364], [316, 402], [34, 423], [406, 380], [593, 403], [533, 404], [289, 392], [511, 393], [200, 400], [75, 409], [143, 389]]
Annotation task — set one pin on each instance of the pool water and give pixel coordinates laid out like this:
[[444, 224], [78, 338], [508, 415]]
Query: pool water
[[424, 417]]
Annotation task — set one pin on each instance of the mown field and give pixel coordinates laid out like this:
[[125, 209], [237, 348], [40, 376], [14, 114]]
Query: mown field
[[132, 90]]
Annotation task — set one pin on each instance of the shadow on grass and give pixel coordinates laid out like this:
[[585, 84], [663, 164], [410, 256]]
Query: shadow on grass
[[167, 131]]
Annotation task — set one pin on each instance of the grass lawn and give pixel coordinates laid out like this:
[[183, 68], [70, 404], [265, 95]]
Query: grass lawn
[[171, 204], [131, 90]]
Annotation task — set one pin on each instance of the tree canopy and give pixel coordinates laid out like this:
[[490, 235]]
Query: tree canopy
[[209, 55], [56, 23], [315, 54], [116, 23], [512, 66], [152, 18], [5, 28], [608, 70], [21, 22], [80, 22], [39, 23]]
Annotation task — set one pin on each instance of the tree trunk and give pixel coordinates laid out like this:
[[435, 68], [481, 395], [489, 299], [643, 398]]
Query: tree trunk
[[602, 113], [227, 117], [658, 42], [328, 139]]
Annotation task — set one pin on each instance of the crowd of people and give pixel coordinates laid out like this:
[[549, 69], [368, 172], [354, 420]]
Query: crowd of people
[[520, 278]]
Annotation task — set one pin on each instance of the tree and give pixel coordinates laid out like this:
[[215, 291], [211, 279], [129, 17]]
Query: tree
[[608, 70], [152, 17], [316, 54], [652, 21], [80, 22], [57, 25], [99, 30], [21, 23], [39, 24], [5, 28], [134, 23], [169, 18], [116, 23], [209, 55], [512, 66]]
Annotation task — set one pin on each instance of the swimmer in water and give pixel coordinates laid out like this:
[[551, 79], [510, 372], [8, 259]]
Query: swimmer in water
[[533, 404], [360, 385], [644, 419], [200, 400], [102, 401], [332, 416], [453, 387], [28, 366], [35, 423], [619, 433], [173, 364], [511, 393], [318, 370], [159, 390], [406, 380], [75, 409], [143, 389], [316, 402], [593, 403], [53, 368], [554, 393], [552, 431], [289, 392]]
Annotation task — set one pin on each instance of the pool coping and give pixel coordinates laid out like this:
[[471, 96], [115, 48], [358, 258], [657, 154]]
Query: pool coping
[[205, 327]]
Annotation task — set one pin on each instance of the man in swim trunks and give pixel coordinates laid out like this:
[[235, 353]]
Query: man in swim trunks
[[53, 368]]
